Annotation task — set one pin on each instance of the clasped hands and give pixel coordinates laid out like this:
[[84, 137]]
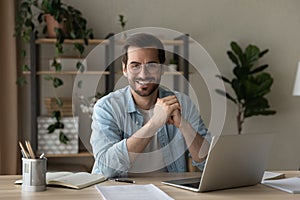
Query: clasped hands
[[167, 110]]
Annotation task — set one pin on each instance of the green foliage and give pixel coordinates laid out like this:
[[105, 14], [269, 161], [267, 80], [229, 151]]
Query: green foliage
[[58, 125], [250, 83], [122, 22], [32, 13], [75, 23]]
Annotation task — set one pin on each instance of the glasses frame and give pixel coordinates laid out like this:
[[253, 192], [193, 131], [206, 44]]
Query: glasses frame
[[156, 67]]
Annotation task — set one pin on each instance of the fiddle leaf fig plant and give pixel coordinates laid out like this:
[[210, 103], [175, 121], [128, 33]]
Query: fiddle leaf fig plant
[[250, 83]]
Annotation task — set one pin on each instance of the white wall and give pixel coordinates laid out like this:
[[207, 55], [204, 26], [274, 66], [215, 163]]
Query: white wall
[[272, 24]]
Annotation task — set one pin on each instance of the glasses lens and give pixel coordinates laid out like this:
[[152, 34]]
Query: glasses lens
[[134, 68], [150, 67]]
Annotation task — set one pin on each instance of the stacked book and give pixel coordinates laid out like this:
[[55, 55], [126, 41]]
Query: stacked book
[[51, 105]]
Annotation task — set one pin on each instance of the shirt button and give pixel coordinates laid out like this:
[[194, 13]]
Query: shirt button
[[137, 123]]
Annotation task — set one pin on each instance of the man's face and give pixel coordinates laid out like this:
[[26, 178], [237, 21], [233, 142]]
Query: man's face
[[143, 70]]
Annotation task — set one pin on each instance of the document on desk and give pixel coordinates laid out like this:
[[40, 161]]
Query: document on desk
[[132, 192], [290, 185]]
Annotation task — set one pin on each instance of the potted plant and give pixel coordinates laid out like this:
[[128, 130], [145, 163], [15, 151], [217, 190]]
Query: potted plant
[[69, 24], [250, 84], [122, 23]]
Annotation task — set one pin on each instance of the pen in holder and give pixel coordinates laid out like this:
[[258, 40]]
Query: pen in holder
[[34, 174], [33, 169]]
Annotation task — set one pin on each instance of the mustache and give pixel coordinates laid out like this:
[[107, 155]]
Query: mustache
[[151, 80]]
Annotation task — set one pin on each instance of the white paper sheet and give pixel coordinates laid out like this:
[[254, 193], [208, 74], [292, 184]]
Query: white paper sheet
[[132, 192], [291, 185]]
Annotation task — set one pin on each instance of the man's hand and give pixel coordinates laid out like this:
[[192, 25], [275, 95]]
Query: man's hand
[[175, 118], [164, 111]]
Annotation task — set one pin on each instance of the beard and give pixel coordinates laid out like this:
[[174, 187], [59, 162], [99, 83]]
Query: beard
[[144, 90]]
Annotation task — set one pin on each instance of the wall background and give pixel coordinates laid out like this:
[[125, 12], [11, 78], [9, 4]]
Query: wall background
[[272, 24]]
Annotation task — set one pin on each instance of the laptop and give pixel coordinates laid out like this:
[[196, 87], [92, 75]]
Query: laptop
[[232, 161]]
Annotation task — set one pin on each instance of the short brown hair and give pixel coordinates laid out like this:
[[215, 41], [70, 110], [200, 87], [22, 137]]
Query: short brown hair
[[144, 40]]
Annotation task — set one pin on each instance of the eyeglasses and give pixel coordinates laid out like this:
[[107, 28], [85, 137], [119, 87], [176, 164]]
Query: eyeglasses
[[150, 67]]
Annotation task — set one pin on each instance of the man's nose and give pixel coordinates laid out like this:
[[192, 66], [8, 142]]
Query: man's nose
[[144, 72]]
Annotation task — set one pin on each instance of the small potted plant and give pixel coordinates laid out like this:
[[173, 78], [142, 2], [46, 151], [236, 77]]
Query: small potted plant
[[70, 24], [250, 83], [122, 23]]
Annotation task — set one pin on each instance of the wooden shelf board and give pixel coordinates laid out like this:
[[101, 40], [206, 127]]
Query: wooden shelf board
[[97, 41], [90, 73], [69, 41], [69, 73], [80, 154]]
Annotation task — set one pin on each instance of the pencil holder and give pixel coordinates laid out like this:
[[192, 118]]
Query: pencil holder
[[34, 174]]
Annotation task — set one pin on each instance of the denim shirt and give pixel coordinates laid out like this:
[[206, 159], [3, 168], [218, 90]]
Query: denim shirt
[[116, 118]]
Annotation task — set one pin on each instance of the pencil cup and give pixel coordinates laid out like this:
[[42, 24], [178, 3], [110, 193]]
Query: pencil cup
[[34, 174]]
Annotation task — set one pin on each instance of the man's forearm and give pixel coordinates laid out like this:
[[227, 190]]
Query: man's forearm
[[197, 145], [140, 139]]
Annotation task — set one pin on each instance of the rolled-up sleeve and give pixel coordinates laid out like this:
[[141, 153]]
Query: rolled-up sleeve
[[109, 147]]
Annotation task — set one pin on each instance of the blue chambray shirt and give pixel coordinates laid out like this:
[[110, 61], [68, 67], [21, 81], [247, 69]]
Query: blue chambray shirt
[[116, 118]]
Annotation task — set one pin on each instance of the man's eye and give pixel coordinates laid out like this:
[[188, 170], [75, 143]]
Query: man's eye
[[152, 65], [134, 67]]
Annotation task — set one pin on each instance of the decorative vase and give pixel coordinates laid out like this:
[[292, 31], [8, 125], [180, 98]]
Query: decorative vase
[[49, 143]]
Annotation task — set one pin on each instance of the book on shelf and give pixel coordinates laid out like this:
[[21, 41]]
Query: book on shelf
[[72, 180]]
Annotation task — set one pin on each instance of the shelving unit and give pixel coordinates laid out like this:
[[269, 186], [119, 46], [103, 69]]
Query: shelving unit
[[35, 43]]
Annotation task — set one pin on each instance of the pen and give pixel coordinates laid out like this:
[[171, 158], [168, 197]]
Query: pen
[[42, 155], [29, 148], [23, 154], [124, 180], [24, 151]]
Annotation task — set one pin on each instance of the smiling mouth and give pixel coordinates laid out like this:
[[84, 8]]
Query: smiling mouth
[[143, 82]]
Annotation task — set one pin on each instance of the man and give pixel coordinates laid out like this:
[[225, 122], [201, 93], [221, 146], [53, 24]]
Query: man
[[145, 127]]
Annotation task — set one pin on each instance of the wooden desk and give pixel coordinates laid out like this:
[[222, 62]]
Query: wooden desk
[[10, 191]]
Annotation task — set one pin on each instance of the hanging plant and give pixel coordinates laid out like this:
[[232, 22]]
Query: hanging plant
[[70, 25]]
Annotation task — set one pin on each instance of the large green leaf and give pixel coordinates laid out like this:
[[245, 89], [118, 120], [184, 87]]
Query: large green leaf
[[63, 138], [238, 89], [227, 95], [51, 128], [238, 51], [226, 80], [21, 80], [249, 113], [261, 54], [59, 102], [241, 72], [251, 88], [257, 103], [264, 82], [57, 82], [56, 114], [233, 58], [259, 69], [252, 54]]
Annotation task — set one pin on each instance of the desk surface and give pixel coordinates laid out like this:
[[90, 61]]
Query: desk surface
[[10, 191]]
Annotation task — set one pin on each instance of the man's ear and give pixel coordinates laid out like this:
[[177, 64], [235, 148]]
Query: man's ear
[[124, 69]]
